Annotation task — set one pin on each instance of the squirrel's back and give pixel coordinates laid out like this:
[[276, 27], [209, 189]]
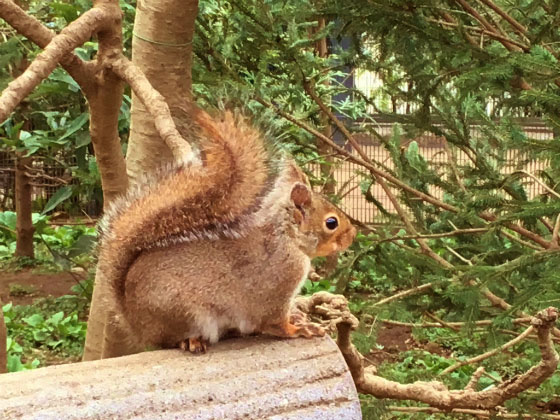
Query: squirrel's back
[[189, 201]]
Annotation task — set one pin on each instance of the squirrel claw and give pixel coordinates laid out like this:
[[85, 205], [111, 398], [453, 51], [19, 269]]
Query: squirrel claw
[[194, 345]]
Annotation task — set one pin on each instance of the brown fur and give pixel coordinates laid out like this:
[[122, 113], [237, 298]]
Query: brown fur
[[219, 248], [190, 200]]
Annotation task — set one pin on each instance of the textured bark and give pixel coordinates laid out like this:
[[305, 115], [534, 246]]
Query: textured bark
[[252, 378], [24, 223], [162, 49], [3, 339], [104, 104]]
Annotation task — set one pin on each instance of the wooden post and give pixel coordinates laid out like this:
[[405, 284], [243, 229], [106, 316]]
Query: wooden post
[[24, 224], [249, 378]]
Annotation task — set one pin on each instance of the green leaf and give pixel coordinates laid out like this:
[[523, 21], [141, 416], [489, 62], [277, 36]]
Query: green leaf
[[34, 320], [56, 318], [8, 219], [62, 194], [75, 125]]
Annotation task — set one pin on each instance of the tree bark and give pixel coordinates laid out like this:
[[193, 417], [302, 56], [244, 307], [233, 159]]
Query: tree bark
[[104, 104], [162, 49], [251, 378], [24, 223]]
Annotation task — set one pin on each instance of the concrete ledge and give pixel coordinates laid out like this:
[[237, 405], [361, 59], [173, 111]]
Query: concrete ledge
[[249, 378]]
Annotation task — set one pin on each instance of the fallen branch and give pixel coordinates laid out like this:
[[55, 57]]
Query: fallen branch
[[156, 105], [335, 310], [74, 35]]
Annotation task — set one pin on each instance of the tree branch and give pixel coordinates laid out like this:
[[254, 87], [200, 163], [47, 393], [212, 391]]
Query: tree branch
[[435, 393], [156, 105], [490, 353], [74, 35], [32, 29]]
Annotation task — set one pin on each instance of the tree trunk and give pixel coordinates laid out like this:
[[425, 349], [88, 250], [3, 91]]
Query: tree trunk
[[24, 223], [252, 378], [162, 49], [3, 342], [104, 104]]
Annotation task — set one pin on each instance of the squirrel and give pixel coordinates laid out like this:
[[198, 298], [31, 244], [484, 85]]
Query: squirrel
[[220, 245]]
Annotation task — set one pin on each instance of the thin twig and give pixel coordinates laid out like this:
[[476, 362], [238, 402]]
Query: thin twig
[[490, 353]]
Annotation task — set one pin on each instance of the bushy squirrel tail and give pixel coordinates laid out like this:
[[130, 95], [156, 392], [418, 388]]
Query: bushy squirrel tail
[[189, 202]]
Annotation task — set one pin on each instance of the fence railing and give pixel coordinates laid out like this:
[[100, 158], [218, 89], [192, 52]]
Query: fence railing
[[433, 149], [348, 175]]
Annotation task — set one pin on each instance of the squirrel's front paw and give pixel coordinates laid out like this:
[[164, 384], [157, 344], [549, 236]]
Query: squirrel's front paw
[[194, 345]]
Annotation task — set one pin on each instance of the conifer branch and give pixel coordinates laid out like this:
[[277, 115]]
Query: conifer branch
[[519, 28], [509, 44], [74, 35], [456, 232], [493, 35], [155, 104]]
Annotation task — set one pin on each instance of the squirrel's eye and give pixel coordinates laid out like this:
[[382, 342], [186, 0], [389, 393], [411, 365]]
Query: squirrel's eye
[[331, 223]]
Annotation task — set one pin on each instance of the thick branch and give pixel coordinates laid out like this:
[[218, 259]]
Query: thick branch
[[74, 35], [437, 395], [155, 104], [33, 30]]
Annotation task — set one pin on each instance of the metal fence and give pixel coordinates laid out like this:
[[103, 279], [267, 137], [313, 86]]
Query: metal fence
[[349, 175]]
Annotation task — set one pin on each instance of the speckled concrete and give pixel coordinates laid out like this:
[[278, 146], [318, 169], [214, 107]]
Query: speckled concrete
[[250, 378]]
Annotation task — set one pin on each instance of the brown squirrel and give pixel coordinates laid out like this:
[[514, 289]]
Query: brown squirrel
[[223, 245]]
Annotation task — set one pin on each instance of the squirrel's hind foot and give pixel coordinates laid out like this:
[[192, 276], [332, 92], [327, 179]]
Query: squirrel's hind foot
[[194, 345]]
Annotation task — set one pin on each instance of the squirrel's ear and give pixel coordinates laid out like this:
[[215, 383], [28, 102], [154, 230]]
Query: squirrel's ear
[[301, 195]]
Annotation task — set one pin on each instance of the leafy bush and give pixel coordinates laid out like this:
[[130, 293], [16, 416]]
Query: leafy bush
[[39, 332]]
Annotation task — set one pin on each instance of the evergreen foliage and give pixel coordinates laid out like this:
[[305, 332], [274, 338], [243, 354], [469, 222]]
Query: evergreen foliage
[[455, 74]]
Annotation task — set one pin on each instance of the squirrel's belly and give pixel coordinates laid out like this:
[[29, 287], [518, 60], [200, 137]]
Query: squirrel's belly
[[212, 326]]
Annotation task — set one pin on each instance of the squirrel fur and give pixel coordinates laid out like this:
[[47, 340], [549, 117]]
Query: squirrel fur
[[221, 246]]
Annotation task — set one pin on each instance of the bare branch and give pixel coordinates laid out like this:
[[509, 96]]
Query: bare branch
[[490, 353], [155, 104], [33, 30], [484, 414], [74, 35]]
